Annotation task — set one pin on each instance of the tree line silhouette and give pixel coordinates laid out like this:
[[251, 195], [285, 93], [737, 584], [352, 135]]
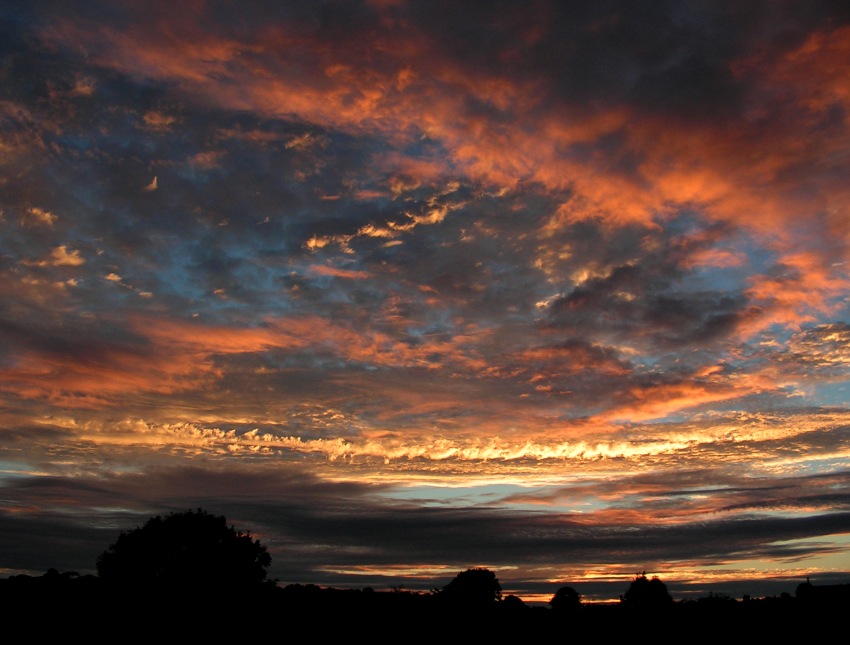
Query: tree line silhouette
[[193, 568]]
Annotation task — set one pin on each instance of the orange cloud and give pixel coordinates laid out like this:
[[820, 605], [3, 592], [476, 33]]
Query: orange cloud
[[739, 173], [571, 359], [61, 256], [41, 216], [207, 160], [323, 269], [338, 84], [720, 258], [649, 402], [158, 121], [809, 285], [91, 381], [770, 171], [180, 356]]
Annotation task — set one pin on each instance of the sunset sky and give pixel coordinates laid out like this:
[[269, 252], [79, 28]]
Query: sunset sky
[[560, 289]]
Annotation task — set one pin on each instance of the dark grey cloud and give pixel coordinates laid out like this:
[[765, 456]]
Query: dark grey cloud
[[651, 300], [310, 526], [88, 342]]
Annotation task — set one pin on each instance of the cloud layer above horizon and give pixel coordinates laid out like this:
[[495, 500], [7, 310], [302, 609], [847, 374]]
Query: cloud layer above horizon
[[560, 289]]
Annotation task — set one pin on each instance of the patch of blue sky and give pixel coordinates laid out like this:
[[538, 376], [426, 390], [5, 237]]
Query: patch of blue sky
[[77, 140], [236, 282], [438, 322], [823, 551], [179, 280], [14, 469], [832, 393], [462, 496], [841, 311], [739, 258], [506, 496], [823, 466]]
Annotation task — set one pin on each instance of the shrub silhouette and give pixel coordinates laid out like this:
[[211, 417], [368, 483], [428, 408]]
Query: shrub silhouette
[[188, 549]]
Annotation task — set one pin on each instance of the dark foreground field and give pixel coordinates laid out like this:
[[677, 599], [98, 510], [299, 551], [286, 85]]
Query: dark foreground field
[[86, 607]]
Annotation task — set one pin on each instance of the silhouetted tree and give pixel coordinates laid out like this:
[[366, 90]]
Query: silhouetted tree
[[647, 593], [716, 599], [513, 603], [565, 600], [474, 587], [189, 549]]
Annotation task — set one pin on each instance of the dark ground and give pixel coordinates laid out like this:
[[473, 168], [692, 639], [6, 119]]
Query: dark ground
[[66, 607]]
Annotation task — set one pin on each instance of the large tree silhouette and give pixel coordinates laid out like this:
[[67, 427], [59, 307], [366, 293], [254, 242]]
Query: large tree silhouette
[[566, 600], [476, 587], [188, 549], [647, 593]]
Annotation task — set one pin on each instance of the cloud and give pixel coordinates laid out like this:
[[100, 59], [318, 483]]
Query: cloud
[[61, 256], [631, 176], [175, 355], [822, 349], [324, 270], [158, 121], [41, 216], [652, 401], [797, 289]]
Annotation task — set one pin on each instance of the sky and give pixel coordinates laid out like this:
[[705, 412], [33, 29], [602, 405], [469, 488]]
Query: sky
[[558, 289]]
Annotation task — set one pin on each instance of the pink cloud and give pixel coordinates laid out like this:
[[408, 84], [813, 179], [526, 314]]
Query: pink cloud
[[348, 274]]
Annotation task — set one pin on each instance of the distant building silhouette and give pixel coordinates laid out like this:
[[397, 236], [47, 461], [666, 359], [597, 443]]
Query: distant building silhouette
[[823, 595]]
